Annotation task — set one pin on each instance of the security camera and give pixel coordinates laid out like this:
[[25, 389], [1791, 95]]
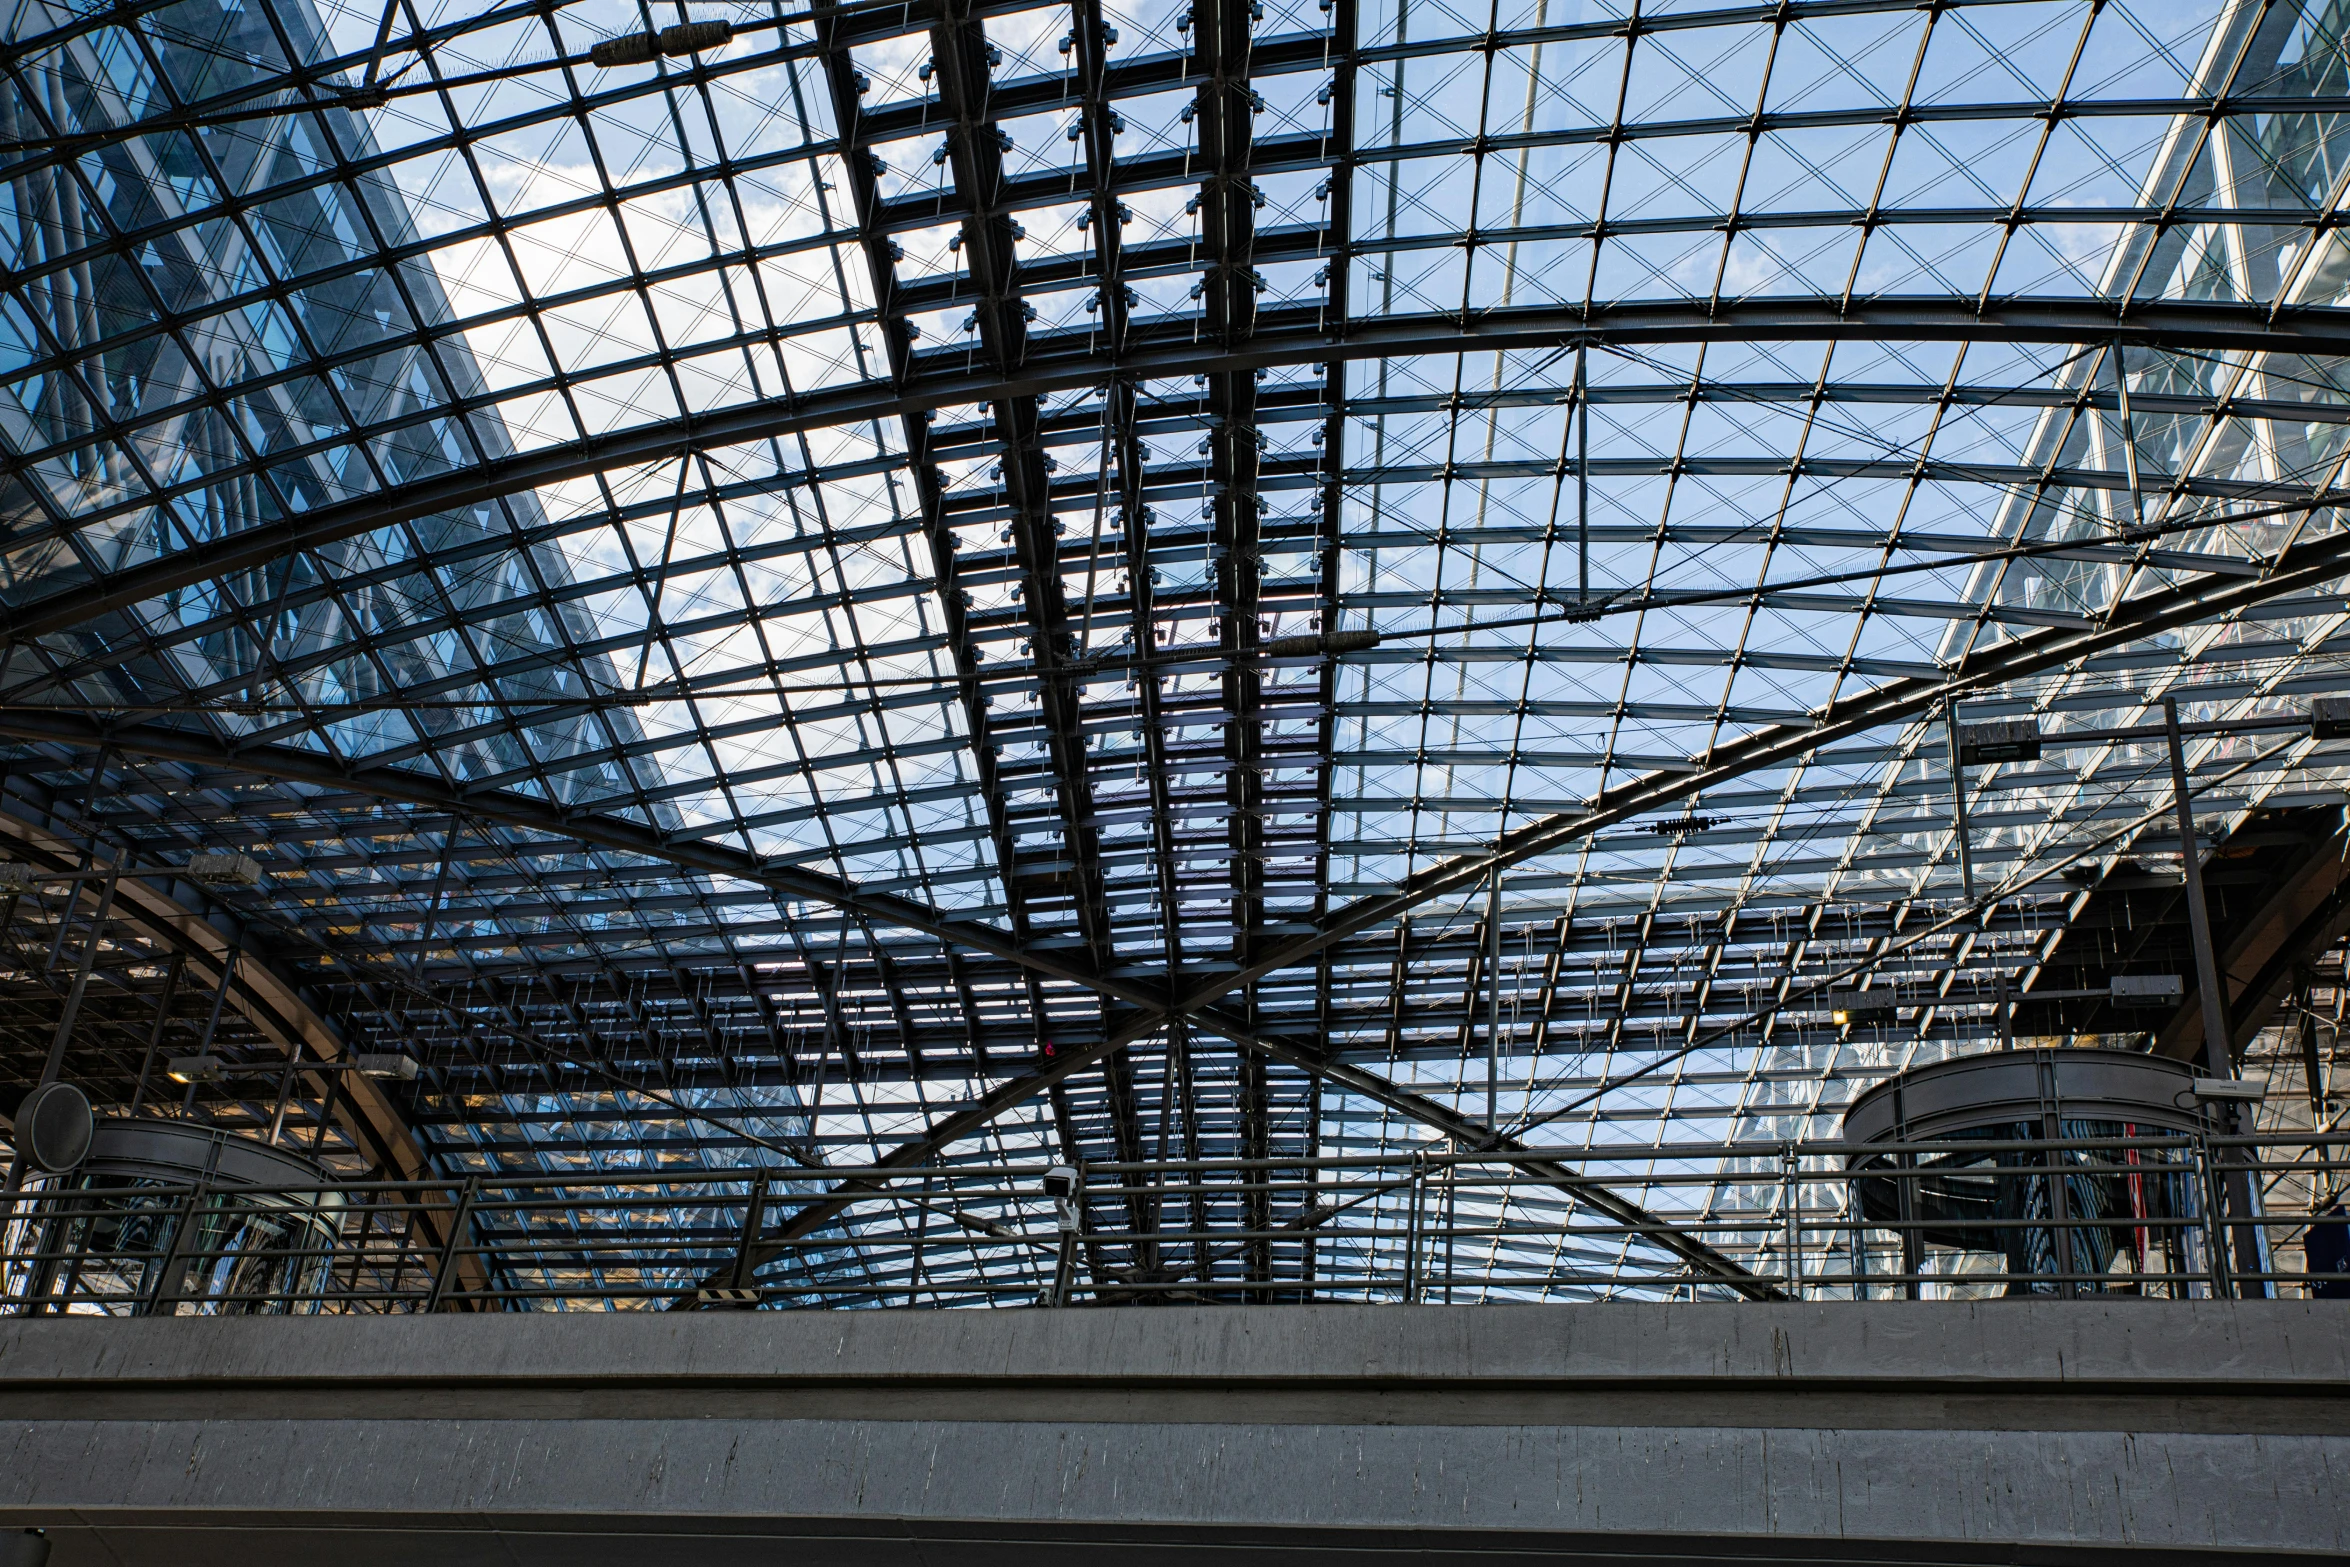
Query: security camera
[[1060, 1182]]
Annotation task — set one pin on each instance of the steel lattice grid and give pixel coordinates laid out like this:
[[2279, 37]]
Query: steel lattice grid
[[771, 643]]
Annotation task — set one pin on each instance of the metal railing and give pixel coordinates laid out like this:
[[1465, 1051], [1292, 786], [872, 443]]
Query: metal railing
[[2155, 1217]]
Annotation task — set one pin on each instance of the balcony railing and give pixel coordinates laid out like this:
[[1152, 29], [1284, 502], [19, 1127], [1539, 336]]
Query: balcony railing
[[2152, 1218]]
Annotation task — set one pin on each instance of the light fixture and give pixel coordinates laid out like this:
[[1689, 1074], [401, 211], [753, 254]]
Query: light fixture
[[2146, 990], [224, 868], [2002, 740], [1854, 1006], [385, 1064], [192, 1069]]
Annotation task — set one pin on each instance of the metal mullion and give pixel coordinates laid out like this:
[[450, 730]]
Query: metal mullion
[[394, 255], [1533, 88], [2214, 419], [2232, 237], [690, 176], [2128, 292], [808, 465], [902, 793], [1331, 534], [1630, 32], [486, 671], [1452, 407], [1608, 763], [1857, 830], [1721, 716], [104, 429], [392, 259], [2202, 137], [553, 532], [1762, 94]]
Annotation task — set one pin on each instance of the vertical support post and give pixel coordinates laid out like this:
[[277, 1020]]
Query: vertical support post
[[1791, 1192], [754, 1215], [1451, 1216], [2121, 381], [446, 1268], [163, 1295], [228, 973], [1966, 867], [81, 976], [1856, 1236], [285, 1091], [1493, 1007], [171, 985], [1068, 1217], [326, 1110], [1913, 1244], [1411, 1244], [2219, 1056], [2313, 1071], [1582, 481], [2214, 1237], [1966, 850], [2052, 1162]]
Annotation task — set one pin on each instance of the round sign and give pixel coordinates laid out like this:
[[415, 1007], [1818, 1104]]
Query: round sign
[[54, 1126]]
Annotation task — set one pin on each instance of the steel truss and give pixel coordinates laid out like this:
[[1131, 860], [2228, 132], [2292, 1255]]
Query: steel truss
[[929, 589]]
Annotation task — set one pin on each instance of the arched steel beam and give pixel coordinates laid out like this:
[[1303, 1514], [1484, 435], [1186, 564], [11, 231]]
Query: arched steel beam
[[272, 1006], [1283, 337], [286, 764]]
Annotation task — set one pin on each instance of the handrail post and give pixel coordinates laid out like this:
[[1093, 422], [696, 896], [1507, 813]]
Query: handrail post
[[2214, 1232], [163, 1297], [448, 1263], [1414, 1222], [1791, 1193], [754, 1215], [1069, 1220]]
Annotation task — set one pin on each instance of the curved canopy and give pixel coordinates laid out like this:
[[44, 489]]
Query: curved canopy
[[988, 583]]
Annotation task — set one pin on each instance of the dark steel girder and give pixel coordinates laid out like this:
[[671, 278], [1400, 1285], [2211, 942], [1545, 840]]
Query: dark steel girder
[[813, 1216], [1060, 362], [523, 813], [1122, 448]]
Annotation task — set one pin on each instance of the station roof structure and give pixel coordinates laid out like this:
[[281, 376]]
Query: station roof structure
[[985, 584]]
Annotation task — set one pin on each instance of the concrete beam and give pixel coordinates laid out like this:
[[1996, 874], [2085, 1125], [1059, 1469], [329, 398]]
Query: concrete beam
[[1945, 1432]]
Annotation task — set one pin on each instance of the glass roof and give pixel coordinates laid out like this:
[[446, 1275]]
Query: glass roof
[[786, 584]]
